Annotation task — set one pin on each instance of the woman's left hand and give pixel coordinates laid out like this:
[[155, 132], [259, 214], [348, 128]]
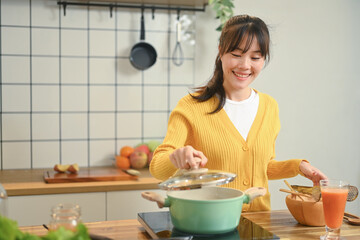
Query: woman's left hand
[[311, 172]]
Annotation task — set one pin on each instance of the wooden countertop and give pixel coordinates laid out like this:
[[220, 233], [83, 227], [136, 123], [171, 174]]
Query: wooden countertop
[[31, 182], [278, 222]]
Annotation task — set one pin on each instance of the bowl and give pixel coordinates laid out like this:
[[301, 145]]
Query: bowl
[[307, 211]]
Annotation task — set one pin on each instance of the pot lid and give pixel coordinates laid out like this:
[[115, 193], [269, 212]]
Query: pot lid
[[190, 179]]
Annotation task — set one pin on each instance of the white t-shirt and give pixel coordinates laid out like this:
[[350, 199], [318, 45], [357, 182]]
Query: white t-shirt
[[242, 114]]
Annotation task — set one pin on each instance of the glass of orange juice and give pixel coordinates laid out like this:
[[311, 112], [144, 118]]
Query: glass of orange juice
[[334, 194]]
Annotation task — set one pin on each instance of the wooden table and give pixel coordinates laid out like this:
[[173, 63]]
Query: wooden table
[[278, 222]]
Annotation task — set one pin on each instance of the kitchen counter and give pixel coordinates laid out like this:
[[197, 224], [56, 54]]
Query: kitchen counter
[[278, 222], [31, 182]]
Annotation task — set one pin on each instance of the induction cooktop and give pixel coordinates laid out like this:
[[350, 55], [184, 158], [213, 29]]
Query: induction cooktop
[[159, 226]]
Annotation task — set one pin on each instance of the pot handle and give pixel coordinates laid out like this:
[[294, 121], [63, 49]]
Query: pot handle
[[154, 197], [253, 193]]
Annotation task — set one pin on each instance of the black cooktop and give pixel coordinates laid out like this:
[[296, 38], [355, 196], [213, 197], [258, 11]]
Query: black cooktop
[[159, 226]]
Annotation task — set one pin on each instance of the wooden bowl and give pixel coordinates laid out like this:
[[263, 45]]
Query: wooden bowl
[[307, 212]]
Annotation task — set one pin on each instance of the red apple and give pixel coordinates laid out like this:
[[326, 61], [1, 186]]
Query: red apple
[[150, 156], [143, 148], [138, 159]]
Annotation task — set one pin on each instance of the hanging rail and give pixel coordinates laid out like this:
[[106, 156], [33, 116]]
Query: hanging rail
[[111, 6]]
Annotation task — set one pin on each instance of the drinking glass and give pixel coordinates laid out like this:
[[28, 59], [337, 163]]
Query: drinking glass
[[334, 194]]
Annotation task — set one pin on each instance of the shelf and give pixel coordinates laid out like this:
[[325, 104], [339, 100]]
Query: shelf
[[174, 3]]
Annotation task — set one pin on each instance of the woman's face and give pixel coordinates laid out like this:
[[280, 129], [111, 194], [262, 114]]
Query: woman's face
[[240, 70]]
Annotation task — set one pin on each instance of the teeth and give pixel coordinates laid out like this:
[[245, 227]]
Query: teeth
[[241, 75]]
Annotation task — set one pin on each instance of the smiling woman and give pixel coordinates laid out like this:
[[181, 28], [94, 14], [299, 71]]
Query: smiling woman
[[228, 126]]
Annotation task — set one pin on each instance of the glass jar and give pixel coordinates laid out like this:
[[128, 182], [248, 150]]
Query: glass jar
[[3, 201], [66, 215]]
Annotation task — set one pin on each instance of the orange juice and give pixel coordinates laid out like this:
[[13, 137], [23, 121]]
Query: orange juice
[[334, 201]]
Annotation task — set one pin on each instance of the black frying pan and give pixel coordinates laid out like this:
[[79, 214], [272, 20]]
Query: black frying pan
[[142, 55]]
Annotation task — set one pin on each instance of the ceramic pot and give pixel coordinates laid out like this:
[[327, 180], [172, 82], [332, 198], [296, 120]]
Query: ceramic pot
[[208, 210]]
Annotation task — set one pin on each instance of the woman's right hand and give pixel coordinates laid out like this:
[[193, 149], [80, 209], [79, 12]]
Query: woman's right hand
[[188, 158]]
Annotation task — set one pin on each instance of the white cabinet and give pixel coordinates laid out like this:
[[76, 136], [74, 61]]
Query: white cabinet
[[127, 204], [100, 206], [35, 209]]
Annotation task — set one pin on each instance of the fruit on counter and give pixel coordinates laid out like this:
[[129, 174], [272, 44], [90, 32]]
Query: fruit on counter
[[138, 159], [143, 148], [126, 151], [61, 168], [150, 156], [153, 144], [122, 162], [133, 172], [73, 168]]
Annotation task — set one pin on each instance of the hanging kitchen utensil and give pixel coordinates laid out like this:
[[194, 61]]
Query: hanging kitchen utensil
[[178, 55], [142, 55]]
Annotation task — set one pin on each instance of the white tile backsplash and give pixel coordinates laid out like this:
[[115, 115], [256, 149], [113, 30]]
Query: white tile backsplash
[[15, 40], [102, 43], [155, 124], [74, 42], [158, 73], [15, 127], [102, 98], [126, 73], [74, 126], [44, 13], [75, 17], [15, 98], [182, 74], [74, 70], [102, 153], [102, 70], [11, 66], [69, 93], [45, 70], [45, 98], [156, 98], [16, 155], [15, 12], [129, 98], [74, 152], [45, 126], [45, 154], [176, 93], [129, 125], [45, 41], [102, 125], [74, 98], [100, 18], [128, 19]]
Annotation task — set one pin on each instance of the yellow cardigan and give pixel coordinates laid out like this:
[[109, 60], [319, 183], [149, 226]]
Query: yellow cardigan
[[216, 136]]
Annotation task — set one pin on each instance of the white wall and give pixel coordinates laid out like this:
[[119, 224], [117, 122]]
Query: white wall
[[314, 75]]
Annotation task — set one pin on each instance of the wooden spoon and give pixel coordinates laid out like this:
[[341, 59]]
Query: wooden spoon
[[352, 219]]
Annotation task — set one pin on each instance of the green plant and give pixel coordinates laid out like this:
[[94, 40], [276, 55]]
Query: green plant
[[223, 9], [9, 230]]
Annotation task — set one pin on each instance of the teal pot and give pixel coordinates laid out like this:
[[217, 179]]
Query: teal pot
[[208, 210]]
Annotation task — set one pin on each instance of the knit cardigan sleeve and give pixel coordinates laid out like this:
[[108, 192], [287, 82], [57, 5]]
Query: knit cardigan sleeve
[[178, 131]]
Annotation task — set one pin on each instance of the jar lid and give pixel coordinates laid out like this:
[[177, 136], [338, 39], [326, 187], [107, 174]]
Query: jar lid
[[190, 179]]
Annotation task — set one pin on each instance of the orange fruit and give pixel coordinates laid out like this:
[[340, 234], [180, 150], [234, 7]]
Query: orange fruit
[[126, 151], [122, 162]]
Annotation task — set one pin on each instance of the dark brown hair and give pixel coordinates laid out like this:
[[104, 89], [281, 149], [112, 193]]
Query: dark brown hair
[[236, 30]]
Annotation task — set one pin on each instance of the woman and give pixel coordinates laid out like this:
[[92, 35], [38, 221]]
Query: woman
[[228, 126]]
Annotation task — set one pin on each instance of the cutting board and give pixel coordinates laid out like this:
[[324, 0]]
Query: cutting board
[[88, 175]]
